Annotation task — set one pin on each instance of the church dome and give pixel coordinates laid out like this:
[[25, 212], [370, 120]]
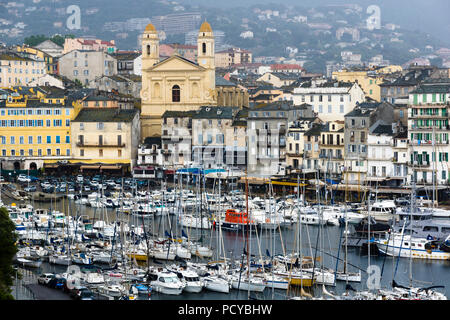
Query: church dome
[[205, 27], [150, 28]]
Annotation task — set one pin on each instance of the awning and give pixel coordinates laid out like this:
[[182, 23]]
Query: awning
[[90, 167], [111, 167], [49, 165], [259, 181], [169, 171]]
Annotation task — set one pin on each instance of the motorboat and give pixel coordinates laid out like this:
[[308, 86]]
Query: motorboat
[[167, 282]]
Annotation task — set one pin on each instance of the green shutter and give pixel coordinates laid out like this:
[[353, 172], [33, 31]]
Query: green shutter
[[434, 97], [416, 100]]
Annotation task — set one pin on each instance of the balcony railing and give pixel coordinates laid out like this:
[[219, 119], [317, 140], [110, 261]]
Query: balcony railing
[[428, 143], [100, 145], [419, 164]]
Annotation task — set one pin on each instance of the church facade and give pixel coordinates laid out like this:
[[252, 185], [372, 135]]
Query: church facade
[[175, 84]]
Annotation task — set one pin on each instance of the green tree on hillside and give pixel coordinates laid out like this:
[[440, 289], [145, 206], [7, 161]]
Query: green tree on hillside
[[8, 239]]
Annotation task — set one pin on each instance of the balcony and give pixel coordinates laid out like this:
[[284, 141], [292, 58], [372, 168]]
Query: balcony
[[100, 145], [428, 143], [428, 116], [419, 164]]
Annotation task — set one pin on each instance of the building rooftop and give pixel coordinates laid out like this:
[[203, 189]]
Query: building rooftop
[[212, 112], [106, 115]]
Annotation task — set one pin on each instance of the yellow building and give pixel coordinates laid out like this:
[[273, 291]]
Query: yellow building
[[175, 84], [369, 80], [51, 64], [35, 128], [105, 139]]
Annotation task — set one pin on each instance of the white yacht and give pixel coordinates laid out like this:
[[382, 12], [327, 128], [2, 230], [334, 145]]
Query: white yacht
[[167, 283]]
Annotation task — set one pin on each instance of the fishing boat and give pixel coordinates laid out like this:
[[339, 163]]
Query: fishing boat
[[236, 221]]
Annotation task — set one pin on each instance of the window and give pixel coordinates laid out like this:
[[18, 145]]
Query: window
[[39, 139], [67, 139], [100, 140], [13, 152], [58, 139], [119, 126], [81, 153], [21, 140], [49, 139], [100, 125], [175, 93], [49, 152], [204, 47], [81, 126], [100, 152], [12, 140], [119, 153], [30, 139], [119, 140], [341, 108]]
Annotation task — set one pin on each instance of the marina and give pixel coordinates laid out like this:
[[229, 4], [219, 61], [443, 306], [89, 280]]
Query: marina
[[192, 242]]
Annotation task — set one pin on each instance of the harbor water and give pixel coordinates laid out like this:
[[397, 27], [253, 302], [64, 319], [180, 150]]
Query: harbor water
[[323, 243]]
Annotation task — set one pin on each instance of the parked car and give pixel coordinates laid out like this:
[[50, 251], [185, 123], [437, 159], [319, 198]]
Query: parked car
[[81, 293], [80, 178], [50, 189], [30, 189], [23, 178], [45, 278], [57, 283]]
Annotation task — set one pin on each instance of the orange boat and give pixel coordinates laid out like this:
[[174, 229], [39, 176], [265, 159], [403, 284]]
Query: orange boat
[[235, 220]]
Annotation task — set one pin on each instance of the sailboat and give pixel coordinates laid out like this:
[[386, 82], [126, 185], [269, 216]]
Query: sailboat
[[245, 281], [345, 275]]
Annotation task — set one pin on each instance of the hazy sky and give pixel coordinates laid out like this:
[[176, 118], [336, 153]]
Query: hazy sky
[[431, 16]]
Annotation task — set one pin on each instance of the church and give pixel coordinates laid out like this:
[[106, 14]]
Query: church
[[178, 84]]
